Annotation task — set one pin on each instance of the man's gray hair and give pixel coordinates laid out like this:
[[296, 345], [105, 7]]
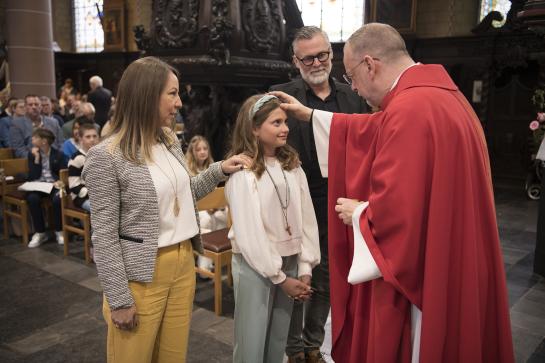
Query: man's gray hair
[[307, 33], [96, 80], [45, 99]]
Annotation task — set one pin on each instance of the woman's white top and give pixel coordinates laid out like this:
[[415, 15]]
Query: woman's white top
[[259, 229], [172, 229]]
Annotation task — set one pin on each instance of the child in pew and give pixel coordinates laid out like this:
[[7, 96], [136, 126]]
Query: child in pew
[[274, 233], [88, 137], [44, 164], [198, 159]]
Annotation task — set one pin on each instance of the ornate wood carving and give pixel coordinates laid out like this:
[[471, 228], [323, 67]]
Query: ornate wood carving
[[262, 21], [220, 32], [142, 39], [176, 23]]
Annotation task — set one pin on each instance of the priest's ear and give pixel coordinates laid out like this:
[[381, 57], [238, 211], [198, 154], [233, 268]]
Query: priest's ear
[[371, 64]]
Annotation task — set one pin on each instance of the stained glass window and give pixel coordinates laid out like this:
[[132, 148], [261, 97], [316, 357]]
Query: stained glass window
[[88, 30], [338, 18], [502, 6]]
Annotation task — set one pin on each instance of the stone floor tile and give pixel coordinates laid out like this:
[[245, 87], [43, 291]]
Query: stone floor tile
[[56, 334], [91, 283]]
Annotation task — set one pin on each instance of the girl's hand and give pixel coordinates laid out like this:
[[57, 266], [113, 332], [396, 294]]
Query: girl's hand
[[235, 163], [296, 289]]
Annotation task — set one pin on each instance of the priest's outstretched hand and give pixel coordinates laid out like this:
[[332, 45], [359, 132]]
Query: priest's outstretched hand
[[293, 107]]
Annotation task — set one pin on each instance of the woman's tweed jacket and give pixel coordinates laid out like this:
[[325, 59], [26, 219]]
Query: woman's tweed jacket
[[125, 217]]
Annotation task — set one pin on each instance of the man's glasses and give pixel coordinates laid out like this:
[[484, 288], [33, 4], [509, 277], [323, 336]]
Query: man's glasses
[[309, 60], [348, 78]]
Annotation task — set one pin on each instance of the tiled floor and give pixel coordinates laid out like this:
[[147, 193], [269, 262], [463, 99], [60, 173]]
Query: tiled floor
[[50, 306]]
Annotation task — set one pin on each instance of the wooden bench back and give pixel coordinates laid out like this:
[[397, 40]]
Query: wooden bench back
[[6, 153]]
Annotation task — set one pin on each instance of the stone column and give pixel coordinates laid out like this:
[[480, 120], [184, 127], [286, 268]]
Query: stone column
[[30, 47]]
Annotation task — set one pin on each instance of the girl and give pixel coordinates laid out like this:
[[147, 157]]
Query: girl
[[274, 233], [198, 160], [198, 154]]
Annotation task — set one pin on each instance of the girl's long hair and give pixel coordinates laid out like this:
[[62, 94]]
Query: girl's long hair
[[192, 163], [245, 142], [136, 124]]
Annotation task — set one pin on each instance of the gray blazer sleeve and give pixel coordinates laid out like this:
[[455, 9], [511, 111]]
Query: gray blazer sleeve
[[102, 183], [206, 181]]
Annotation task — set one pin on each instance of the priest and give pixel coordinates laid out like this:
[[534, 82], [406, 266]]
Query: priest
[[416, 270]]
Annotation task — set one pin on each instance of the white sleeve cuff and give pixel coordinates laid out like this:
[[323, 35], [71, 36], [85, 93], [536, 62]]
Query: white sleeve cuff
[[304, 268], [278, 278], [321, 126], [364, 268]]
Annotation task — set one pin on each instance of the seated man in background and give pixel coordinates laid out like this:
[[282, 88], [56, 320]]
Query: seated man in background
[[47, 110]]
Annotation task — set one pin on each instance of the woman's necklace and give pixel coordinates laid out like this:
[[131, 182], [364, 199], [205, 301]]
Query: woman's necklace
[[287, 203], [174, 186]]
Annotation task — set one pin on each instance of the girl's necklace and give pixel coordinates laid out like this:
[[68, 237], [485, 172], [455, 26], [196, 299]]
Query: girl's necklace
[[282, 204]]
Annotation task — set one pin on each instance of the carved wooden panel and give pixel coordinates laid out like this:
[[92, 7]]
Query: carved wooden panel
[[262, 24], [176, 22]]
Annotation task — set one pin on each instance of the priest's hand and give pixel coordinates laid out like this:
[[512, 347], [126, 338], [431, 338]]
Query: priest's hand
[[236, 163], [125, 318], [293, 107], [345, 207]]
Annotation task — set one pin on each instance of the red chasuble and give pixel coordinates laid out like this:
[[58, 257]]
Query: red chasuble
[[422, 164]]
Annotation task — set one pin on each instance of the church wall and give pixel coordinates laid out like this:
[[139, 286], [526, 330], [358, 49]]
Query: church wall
[[63, 23], [446, 18]]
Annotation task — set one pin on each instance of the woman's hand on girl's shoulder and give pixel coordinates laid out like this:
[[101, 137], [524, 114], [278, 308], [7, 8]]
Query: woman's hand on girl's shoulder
[[235, 163]]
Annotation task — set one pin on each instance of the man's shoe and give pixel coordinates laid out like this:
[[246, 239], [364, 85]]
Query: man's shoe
[[37, 239], [60, 237], [297, 358], [315, 356]]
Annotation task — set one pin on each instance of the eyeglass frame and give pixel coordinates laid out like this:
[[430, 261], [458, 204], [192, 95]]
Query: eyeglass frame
[[313, 58], [347, 78]]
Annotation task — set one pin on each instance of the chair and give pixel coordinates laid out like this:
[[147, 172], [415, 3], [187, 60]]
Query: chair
[[70, 212], [216, 246], [6, 153], [15, 205]]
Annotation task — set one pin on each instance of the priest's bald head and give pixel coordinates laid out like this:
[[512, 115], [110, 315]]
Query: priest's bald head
[[374, 56]]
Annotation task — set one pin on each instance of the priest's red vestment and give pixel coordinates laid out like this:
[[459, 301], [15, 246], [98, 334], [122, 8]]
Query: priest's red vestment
[[422, 164]]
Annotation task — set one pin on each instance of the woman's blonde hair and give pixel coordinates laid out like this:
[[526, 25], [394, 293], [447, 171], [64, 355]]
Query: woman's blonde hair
[[136, 124], [244, 141], [192, 163]]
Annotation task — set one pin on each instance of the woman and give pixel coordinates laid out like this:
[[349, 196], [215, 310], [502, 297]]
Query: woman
[[274, 234], [145, 223]]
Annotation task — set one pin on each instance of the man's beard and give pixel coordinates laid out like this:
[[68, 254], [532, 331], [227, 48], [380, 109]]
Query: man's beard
[[316, 78]]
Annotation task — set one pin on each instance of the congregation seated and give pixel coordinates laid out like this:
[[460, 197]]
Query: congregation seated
[[44, 164], [20, 133]]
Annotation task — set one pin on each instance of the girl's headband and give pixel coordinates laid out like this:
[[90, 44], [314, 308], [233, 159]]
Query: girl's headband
[[260, 103]]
